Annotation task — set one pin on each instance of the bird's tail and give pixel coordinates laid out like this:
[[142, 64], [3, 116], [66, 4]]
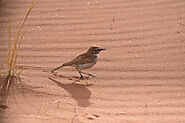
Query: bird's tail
[[63, 65]]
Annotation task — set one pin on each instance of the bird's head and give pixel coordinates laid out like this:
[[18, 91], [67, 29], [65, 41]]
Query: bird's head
[[95, 50]]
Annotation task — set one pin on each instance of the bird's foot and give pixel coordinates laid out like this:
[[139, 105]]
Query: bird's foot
[[83, 78], [91, 75]]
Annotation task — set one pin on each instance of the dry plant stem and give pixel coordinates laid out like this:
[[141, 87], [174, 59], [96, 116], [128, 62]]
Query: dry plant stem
[[13, 50], [6, 89], [14, 47], [10, 44]]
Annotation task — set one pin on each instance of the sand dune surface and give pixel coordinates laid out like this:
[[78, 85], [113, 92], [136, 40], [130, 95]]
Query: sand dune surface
[[139, 78]]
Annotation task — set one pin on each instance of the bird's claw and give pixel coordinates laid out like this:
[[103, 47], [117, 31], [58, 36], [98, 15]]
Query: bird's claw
[[92, 75]]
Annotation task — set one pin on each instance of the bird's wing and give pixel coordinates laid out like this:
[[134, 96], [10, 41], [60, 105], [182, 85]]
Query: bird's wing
[[83, 58]]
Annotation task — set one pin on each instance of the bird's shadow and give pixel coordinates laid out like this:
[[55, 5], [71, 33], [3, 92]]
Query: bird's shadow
[[78, 92]]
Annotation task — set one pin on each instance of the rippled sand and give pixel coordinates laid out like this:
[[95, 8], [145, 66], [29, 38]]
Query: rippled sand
[[139, 78]]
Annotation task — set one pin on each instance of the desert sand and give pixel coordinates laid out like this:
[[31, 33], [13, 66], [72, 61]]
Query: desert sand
[[140, 78]]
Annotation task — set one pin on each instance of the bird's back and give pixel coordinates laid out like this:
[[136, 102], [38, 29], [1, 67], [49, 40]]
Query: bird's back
[[84, 58]]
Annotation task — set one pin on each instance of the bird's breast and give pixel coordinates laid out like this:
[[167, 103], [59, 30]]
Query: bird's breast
[[88, 65]]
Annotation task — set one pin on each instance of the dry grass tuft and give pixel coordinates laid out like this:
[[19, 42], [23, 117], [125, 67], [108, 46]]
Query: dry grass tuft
[[12, 74], [14, 45]]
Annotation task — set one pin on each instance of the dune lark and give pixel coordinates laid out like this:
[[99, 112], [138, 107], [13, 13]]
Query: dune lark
[[83, 61]]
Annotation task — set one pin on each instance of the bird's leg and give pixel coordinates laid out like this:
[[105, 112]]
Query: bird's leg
[[79, 73], [87, 74]]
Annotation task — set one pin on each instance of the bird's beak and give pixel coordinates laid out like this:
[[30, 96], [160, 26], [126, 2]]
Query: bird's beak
[[102, 49]]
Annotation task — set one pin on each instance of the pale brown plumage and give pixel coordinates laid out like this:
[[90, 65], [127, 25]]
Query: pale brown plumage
[[83, 61], [87, 58]]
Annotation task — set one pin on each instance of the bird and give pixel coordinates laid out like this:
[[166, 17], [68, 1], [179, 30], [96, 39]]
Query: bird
[[84, 61]]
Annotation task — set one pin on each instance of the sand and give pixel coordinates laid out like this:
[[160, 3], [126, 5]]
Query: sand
[[140, 78]]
